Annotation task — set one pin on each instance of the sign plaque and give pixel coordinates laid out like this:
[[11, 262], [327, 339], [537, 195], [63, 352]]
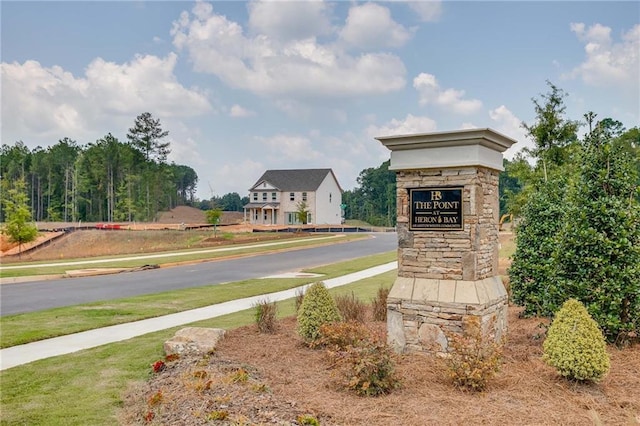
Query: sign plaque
[[436, 209]]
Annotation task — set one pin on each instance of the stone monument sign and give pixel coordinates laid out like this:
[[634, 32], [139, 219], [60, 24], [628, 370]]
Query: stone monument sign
[[447, 221]]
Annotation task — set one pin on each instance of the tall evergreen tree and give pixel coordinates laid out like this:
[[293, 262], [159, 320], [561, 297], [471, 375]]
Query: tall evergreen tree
[[552, 131], [146, 135], [598, 255]]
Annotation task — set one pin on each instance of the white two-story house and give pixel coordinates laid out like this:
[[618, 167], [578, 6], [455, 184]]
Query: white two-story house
[[277, 196]]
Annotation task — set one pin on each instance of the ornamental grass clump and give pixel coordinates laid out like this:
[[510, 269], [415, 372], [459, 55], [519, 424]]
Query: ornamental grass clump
[[379, 304], [318, 308], [575, 345], [351, 308], [266, 316]]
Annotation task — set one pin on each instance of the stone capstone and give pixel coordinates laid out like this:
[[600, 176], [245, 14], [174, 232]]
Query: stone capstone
[[193, 341]]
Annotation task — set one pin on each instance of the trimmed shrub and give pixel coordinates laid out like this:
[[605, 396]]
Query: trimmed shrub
[[379, 304], [266, 316], [318, 307], [474, 359], [351, 308], [532, 278], [341, 335], [368, 368], [598, 258], [575, 346]]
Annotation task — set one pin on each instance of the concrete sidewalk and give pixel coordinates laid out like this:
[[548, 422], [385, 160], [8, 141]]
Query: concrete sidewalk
[[24, 354]]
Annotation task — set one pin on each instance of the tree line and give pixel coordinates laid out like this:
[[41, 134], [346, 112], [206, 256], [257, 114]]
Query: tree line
[[105, 180]]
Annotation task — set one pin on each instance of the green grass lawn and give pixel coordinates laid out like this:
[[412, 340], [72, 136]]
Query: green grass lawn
[[29, 327], [85, 388]]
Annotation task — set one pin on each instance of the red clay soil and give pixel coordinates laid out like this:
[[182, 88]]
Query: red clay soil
[[288, 380], [192, 215]]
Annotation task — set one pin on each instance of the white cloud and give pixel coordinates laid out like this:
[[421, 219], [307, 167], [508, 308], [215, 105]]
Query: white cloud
[[448, 99], [297, 68], [290, 20], [290, 148], [427, 10], [409, 125], [52, 103], [608, 63], [231, 177], [508, 124], [237, 111], [371, 26]]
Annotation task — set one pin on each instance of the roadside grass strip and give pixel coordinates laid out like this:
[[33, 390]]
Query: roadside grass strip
[[23, 354], [86, 387], [132, 260], [29, 327]]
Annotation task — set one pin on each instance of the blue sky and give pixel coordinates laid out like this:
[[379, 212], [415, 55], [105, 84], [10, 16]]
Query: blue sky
[[247, 86]]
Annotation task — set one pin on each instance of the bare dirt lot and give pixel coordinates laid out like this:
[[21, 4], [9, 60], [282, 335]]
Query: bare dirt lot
[[92, 243]]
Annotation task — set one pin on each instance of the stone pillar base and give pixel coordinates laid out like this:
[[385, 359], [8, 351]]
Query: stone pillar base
[[421, 311]]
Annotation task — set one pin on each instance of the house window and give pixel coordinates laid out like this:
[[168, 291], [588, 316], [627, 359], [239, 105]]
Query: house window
[[255, 196], [304, 196], [264, 196], [273, 196], [292, 196], [264, 215], [329, 197], [291, 218]]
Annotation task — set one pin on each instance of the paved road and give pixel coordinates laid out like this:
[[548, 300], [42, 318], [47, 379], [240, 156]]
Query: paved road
[[38, 295]]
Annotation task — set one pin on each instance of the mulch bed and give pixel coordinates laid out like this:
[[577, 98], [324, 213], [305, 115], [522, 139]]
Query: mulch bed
[[286, 380]]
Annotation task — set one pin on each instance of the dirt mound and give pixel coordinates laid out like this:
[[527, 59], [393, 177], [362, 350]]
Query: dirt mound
[[182, 214], [192, 215]]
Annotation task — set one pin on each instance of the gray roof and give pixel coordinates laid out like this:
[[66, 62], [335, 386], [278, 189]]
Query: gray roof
[[295, 179]]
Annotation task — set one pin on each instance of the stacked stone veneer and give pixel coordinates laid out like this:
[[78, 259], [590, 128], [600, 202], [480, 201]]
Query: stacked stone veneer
[[446, 276]]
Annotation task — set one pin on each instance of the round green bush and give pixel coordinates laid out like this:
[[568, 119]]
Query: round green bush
[[575, 345], [318, 308]]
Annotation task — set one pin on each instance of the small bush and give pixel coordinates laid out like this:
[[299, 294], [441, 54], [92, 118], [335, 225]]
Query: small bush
[[318, 307], [351, 308], [474, 359], [308, 420], [218, 415], [368, 368], [379, 304], [341, 335], [266, 316], [238, 376], [575, 346]]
